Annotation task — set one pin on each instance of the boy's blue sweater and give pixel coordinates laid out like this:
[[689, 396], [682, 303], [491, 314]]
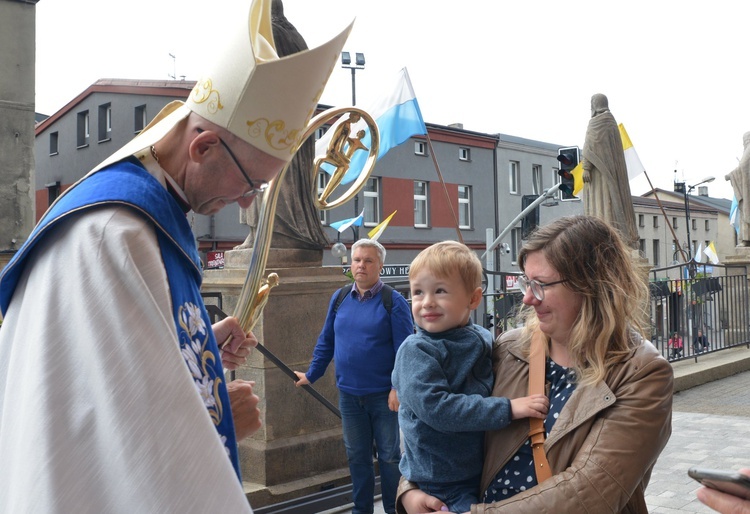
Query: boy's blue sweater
[[444, 382]]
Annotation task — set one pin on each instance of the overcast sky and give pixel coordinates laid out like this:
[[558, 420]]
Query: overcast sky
[[673, 70]]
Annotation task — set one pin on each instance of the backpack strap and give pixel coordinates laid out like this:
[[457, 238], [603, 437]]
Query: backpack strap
[[342, 294], [386, 295]]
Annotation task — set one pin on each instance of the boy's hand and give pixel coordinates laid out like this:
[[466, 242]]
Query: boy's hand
[[534, 406]]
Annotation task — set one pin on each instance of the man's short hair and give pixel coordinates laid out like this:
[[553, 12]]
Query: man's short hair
[[371, 243]]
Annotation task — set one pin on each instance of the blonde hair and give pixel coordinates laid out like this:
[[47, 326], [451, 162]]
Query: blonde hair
[[446, 258], [591, 256]]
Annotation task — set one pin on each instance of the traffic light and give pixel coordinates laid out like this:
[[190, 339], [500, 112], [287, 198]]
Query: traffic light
[[569, 158]]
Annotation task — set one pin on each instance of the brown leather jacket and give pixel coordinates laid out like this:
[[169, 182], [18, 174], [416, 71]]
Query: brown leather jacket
[[604, 444]]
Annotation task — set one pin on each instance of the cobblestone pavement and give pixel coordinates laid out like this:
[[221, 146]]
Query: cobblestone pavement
[[710, 428]]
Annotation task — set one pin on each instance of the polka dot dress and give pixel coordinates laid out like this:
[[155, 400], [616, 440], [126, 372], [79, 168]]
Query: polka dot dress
[[518, 474]]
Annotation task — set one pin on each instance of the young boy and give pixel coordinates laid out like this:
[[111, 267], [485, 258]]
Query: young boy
[[443, 377]]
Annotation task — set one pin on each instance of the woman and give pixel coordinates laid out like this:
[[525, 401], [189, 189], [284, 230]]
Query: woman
[[582, 291]]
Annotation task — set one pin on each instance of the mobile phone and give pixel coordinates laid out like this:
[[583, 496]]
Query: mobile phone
[[726, 481]]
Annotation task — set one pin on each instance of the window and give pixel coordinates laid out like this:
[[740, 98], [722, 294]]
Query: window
[[323, 178], [694, 224], [420, 148], [421, 214], [515, 244], [513, 176], [53, 149], [656, 252], [641, 220], [536, 179], [372, 201], [320, 132], [82, 129], [105, 122], [464, 154], [707, 225], [656, 221], [464, 206], [674, 222], [53, 191], [139, 120], [642, 247]]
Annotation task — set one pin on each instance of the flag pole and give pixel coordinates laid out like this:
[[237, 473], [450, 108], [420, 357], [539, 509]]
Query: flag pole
[[445, 189], [666, 220]]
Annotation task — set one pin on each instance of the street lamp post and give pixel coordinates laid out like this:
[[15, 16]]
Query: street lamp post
[[686, 191], [339, 249], [359, 64]]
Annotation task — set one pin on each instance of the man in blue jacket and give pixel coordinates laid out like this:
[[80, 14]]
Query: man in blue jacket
[[362, 337]]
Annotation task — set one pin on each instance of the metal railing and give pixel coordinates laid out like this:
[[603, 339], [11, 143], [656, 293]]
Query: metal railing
[[684, 298], [688, 298]]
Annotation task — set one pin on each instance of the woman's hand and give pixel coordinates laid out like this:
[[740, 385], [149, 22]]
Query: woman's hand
[[418, 502]]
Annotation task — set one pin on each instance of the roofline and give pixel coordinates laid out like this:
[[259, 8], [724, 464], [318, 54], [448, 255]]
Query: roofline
[[171, 88], [651, 202]]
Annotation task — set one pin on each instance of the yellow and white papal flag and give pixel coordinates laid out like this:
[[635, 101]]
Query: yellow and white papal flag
[[632, 161], [635, 167], [710, 251], [376, 232]]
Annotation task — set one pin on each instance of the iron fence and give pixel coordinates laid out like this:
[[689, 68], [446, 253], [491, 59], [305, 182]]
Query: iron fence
[[684, 299], [693, 299]]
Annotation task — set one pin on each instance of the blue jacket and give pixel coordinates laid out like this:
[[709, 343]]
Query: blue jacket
[[363, 339], [444, 382]]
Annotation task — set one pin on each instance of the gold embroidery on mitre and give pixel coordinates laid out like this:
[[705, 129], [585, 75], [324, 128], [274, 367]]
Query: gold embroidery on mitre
[[204, 92], [275, 134]]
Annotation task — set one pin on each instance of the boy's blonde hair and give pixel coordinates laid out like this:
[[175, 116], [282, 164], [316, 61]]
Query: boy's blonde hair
[[446, 258]]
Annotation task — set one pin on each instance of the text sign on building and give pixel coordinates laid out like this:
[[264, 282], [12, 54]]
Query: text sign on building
[[511, 282], [214, 260]]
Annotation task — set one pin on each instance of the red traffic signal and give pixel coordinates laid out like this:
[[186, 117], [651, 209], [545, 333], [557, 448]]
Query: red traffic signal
[[569, 157]]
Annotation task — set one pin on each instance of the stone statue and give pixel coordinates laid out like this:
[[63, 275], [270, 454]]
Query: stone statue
[[740, 179], [297, 223], [606, 190]]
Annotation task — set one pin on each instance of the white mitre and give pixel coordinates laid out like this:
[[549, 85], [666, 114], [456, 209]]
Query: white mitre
[[249, 90]]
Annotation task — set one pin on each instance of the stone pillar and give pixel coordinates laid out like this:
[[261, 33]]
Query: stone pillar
[[17, 189], [734, 311], [299, 449]]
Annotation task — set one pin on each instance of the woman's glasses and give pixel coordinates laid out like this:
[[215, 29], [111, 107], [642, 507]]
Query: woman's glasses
[[536, 287]]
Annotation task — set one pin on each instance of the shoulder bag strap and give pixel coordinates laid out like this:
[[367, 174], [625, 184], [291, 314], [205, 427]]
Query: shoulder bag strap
[[537, 360]]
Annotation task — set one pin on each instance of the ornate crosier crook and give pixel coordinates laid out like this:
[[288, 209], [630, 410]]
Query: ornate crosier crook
[[255, 291], [254, 294]]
